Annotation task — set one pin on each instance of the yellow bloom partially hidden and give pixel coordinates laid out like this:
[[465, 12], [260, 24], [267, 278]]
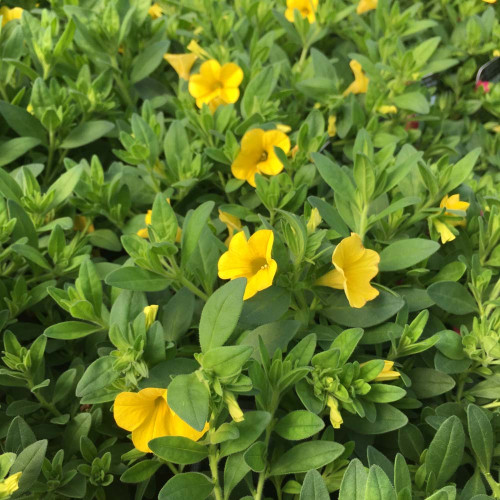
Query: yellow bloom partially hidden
[[147, 415], [9, 485], [332, 126], [306, 8], [195, 48], [387, 373], [314, 221], [366, 5], [490, 1], [182, 63], [143, 232], [496, 53], [215, 84], [257, 154], [453, 203], [444, 231], [251, 260], [10, 14], [155, 11], [150, 312], [355, 266], [387, 109], [361, 81], [335, 416], [232, 223], [80, 223]]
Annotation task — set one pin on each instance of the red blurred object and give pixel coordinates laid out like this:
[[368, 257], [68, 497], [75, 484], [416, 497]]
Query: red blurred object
[[485, 85], [456, 330]]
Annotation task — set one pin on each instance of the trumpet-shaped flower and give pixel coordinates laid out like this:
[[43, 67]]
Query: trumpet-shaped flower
[[257, 154], [306, 8], [355, 266], [10, 14], [9, 485], [155, 11], [387, 373], [250, 259], [361, 81], [147, 415], [215, 84], [182, 63], [232, 223], [453, 203], [366, 5]]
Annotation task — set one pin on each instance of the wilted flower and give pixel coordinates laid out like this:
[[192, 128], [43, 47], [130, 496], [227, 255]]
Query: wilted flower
[[215, 84], [366, 5], [10, 14], [257, 154], [332, 125], [155, 11], [361, 81], [232, 223], [150, 312], [306, 8], [335, 416], [182, 63], [251, 260], [355, 266], [147, 415], [387, 109]]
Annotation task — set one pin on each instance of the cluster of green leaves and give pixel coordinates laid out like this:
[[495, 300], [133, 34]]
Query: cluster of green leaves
[[96, 129]]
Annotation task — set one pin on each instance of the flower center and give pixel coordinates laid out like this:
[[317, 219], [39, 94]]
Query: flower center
[[263, 156], [218, 85], [259, 265], [305, 11]]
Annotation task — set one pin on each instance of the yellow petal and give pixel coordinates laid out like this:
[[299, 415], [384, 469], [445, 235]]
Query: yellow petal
[[387, 109], [261, 280], [9, 485], [332, 126], [359, 292], [237, 261], [131, 409], [444, 231], [143, 233], [231, 75], [229, 95], [366, 5], [182, 63], [177, 427], [261, 244], [333, 279], [195, 48], [231, 221], [244, 166], [155, 11], [361, 81], [306, 8]]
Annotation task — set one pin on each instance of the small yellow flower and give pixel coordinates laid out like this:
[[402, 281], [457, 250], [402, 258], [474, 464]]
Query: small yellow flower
[[366, 5], [355, 266], [444, 231], [10, 14], [332, 126], [147, 415], [232, 223], [453, 203], [80, 223], [155, 11], [335, 416], [490, 1], [9, 485], [143, 233], [150, 312], [306, 8], [496, 129], [257, 154], [234, 408], [251, 260], [182, 63], [29, 108], [496, 53], [215, 84], [361, 81], [195, 48], [387, 373], [314, 221], [284, 128], [387, 109]]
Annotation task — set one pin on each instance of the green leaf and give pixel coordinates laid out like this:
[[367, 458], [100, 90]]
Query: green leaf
[[255, 456], [220, 314], [235, 470], [489, 388], [481, 436], [89, 284], [29, 462], [140, 471], [388, 419], [299, 424], [185, 486], [9, 188], [13, 149], [314, 487], [193, 226], [406, 253], [189, 398], [97, 376], [19, 435], [86, 133], [462, 170], [452, 297], [71, 330], [378, 485], [353, 484], [31, 254], [267, 306], [22, 122], [445, 451], [411, 442], [137, 279], [335, 177], [412, 101], [330, 215], [65, 185], [163, 219], [305, 457], [78, 427], [178, 449], [258, 90], [226, 361], [24, 226], [402, 478], [148, 60], [428, 383], [384, 393]]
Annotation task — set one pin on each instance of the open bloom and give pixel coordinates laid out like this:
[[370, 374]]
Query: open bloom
[[10, 14], [182, 63], [453, 203], [232, 223], [387, 373], [155, 11], [355, 266], [257, 154], [361, 81], [9, 485], [251, 260], [366, 5], [147, 415], [215, 84], [306, 8]]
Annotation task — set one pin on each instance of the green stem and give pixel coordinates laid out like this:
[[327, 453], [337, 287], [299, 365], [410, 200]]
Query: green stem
[[191, 286], [48, 406], [495, 487], [214, 469], [363, 222], [123, 89]]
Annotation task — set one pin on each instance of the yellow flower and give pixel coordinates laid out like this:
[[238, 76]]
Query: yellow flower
[[150, 313], [251, 260], [314, 221], [143, 233], [147, 415], [284, 128], [306, 8], [9, 485], [332, 125], [490, 1], [453, 203], [257, 154], [361, 81], [335, 416], [182, 63], [387, 109], [195, 48], [215, 84], [444, 231], [155, 11], [496, 53], [387, 373], [80, 223], [10, 14], [234, 408], [29, 109], [355, 266], [232, 223], [366, 5]]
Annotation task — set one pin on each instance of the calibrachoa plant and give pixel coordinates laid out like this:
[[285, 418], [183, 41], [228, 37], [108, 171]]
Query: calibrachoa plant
[[250, 249]]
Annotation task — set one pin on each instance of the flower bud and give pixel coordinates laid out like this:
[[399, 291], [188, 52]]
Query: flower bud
[[335, 416], [233, 407], [150, 312]]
